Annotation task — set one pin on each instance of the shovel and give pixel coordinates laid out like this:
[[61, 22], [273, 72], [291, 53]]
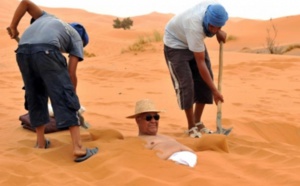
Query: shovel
[[220, 129]]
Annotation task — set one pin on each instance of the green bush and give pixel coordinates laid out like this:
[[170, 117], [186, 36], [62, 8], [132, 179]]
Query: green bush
[[125, 23]]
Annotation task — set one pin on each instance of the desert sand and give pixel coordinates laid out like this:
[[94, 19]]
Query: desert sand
[[262, 101]]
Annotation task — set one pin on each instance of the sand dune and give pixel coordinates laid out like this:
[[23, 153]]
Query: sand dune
[[262, 101]]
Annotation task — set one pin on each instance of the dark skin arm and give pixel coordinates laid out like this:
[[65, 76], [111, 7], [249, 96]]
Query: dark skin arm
[[203, 70], [35, 12], [73, 61], [24, 6]]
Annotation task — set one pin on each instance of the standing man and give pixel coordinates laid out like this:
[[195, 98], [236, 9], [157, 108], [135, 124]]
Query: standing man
[[46, 73], [188, 61]]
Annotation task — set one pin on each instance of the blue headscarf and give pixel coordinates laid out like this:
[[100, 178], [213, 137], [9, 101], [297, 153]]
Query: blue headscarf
[[215, 15], [83, 34]]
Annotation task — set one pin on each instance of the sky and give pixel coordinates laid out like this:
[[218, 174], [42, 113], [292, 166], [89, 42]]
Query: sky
[[249, 9]]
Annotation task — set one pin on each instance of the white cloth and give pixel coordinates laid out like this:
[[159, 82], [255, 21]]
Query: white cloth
[[185, 158]]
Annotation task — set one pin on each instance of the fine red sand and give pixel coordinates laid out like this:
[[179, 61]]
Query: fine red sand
[[262, 101]]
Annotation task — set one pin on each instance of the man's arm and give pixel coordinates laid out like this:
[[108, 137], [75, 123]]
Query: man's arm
[[24, 6], [203, 70], [72, 67]]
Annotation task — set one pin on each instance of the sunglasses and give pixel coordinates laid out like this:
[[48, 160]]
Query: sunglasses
[[149, 117]]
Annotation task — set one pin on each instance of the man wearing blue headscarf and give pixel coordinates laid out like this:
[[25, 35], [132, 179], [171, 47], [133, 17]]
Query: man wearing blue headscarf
[[188, 61], [45, 72]]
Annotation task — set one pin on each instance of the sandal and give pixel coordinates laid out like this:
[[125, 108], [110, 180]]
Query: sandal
[[194, 133], [47, 144], [89, 153], [204, 130]]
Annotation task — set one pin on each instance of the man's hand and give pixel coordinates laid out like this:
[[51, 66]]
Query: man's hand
[[221, 36], [14, 33], [24, 6], [218, 97]]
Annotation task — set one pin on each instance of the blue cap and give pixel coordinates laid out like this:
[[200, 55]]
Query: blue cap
[[80, 29], [216, 15]]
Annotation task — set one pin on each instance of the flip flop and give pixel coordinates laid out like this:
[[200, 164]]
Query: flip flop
[[47, 144], [89, 153]]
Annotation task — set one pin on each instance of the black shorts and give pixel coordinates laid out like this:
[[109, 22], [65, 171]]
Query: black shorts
[[189, 86], [45, 74]]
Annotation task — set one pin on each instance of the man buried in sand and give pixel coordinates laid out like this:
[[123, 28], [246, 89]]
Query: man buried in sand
[[147, 118]]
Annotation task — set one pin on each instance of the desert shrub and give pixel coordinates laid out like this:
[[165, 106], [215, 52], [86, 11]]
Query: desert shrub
[[117, 23], [231, 38], [87, 54], [125, 23], [272, 46], [139, 45], [144, 42], [157, 36], [291, 47]]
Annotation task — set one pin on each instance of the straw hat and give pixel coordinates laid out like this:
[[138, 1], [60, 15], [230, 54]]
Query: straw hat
[[144, 105]]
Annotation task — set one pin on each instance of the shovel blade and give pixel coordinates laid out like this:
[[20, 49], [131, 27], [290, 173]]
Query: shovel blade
[[224, 131]]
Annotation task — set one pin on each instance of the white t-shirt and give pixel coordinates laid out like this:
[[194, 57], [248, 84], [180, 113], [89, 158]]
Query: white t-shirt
[[185, 30]]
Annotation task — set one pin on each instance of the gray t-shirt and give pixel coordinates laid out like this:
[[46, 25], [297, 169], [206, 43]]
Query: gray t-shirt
[[48, 29], [185, 30]]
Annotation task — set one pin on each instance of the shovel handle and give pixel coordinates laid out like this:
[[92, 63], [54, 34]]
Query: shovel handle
[[219, 111], [220, 73], [220, 129], [220, 67]]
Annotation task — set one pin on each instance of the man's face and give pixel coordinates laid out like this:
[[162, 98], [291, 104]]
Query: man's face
[[213, 29], [148, 123]]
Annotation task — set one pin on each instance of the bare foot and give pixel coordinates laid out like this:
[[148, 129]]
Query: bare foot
[[80, 152], [89, 153]]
